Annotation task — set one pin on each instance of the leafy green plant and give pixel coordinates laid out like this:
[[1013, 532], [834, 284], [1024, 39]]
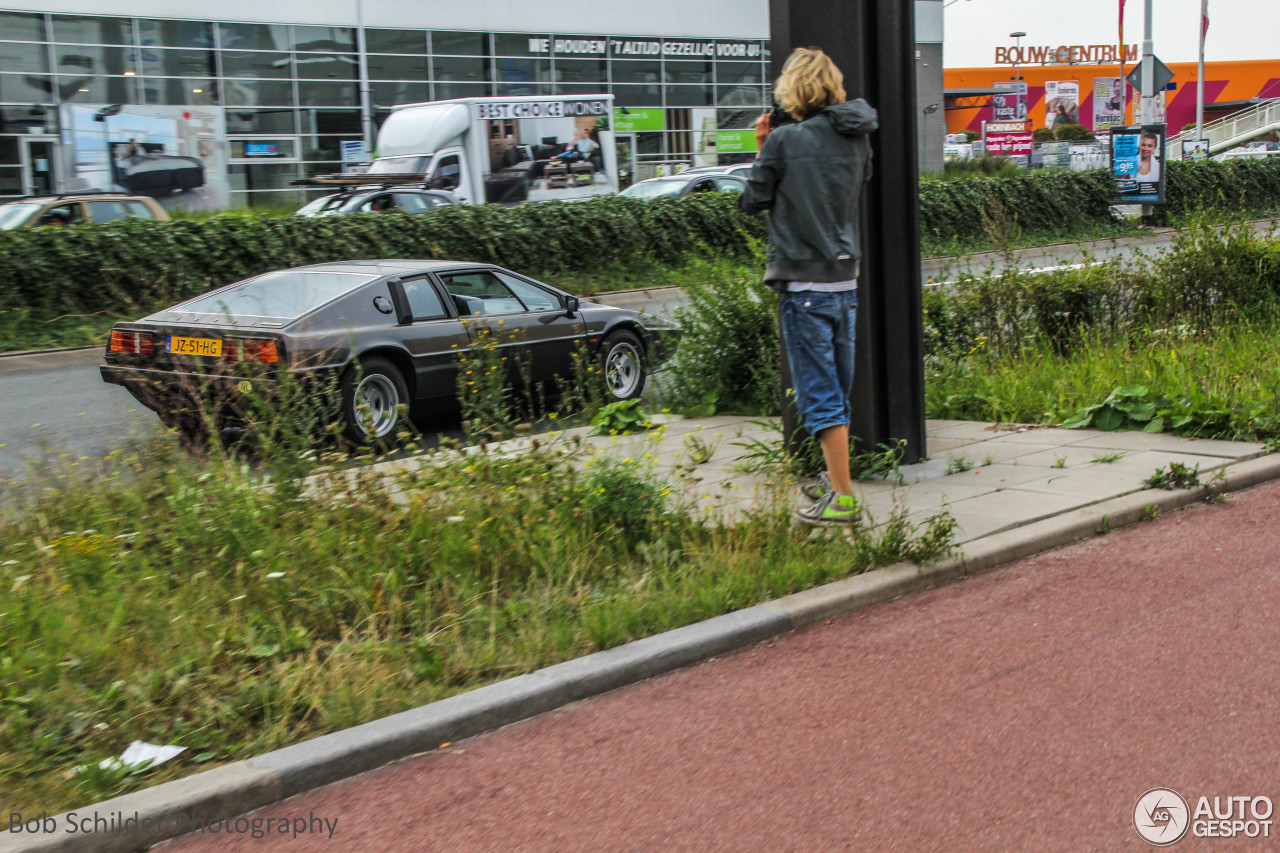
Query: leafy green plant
[[621, 417], [1109, 457], [1060, 462], [1073, 133], [1128, 407], [958, 464], [1176, 475]]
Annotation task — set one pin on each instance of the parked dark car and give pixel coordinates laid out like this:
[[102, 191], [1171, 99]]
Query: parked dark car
[[391, 332], [685, 184], [378, 200]]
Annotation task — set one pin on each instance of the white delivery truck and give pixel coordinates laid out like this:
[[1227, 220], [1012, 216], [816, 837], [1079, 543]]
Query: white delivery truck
[[501, 150]]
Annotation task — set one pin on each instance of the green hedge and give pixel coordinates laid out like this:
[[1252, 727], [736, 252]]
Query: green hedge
[[134, 265], [129, 266], [1247, 186], [1042, 201]]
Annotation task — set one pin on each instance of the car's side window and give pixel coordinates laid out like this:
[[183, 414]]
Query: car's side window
[[533, 297], [106, 211], [140, 210], [63, 214], [424, 302], [728, 185], [411, 203], [481, 293]]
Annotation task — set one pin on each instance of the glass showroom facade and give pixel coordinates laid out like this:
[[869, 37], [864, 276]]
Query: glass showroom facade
[[262, 105]]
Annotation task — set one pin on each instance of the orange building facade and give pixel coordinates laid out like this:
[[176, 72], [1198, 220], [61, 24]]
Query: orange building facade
[[1227, 85]]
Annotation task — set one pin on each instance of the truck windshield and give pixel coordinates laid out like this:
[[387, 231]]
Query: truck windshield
[[413, 164]]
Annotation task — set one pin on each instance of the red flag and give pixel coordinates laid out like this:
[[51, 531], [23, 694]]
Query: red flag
[[1204, 25]]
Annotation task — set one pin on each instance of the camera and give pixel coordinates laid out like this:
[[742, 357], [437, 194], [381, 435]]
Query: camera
[[778, 117]]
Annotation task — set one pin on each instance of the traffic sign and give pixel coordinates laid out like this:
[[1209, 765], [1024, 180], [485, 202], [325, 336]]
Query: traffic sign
[[1162, 77]]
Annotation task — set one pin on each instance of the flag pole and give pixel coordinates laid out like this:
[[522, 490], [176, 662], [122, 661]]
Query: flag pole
[[1204, 31], [1124, 84]]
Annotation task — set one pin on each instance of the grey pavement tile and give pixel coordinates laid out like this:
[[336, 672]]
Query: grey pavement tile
[[935, 446], [969, 525], [1161, 441], [934, 426], [1000, 475], [999, 450], [1019, 505], [1052, 436], [1073, 456], [971, 430]]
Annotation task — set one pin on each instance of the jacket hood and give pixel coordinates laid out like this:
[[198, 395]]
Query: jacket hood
[[852, 118]]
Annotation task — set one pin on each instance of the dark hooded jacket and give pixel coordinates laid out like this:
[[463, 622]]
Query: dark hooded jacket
[[810, 176]]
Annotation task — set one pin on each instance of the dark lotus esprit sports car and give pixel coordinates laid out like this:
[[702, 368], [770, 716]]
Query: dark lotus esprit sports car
[[390, 332]]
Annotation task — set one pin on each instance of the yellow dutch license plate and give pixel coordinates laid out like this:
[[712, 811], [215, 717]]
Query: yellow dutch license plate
[[194, 346]]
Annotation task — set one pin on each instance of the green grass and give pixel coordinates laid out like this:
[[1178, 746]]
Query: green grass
[[183, 600], [1228, 382]]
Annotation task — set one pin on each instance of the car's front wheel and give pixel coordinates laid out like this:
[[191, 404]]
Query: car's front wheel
[[624, 369], [374, 395]]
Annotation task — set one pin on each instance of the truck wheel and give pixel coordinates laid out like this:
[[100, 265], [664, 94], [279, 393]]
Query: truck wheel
[[624, 370], [372, 393]]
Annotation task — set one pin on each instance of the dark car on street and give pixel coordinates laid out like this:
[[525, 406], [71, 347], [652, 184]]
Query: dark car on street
[[390, 333], [684, 184], [378, 200]]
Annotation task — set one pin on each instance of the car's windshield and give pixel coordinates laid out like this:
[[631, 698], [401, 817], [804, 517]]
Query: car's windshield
[[413, 164], [654, 189], [13, 215], [323, 206], [285, 295]]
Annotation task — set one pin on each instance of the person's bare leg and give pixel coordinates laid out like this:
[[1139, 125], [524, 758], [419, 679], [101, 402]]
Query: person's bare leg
[[835, 450]]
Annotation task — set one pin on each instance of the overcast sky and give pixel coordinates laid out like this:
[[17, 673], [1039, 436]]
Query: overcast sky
[[1238, 29]]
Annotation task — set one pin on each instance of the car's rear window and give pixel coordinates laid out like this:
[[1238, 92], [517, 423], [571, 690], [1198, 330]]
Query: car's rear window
[[654, 189], [284, 295]]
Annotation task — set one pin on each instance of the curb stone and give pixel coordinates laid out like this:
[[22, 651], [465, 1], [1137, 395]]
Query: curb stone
[[244, 786]]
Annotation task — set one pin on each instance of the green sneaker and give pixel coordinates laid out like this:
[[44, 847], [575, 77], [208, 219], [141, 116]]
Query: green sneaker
[[815, 489], [831, 508]]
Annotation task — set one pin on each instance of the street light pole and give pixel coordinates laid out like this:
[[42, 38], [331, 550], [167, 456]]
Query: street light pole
[[1017, 56]]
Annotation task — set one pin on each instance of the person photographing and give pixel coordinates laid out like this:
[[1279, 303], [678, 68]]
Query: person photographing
[[809, 176]]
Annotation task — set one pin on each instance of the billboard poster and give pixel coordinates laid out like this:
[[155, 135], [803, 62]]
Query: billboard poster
[[1108, 103], [1195, 149], [1137, 171], [1061, 103], [548, 150], [1011, 104], [1007, 138], [174, 154]]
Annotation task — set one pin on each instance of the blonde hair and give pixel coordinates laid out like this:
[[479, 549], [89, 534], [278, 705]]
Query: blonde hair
[[809, 82]]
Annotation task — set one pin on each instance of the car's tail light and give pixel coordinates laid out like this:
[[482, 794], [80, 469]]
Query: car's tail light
[[141, 343], [251, 350]]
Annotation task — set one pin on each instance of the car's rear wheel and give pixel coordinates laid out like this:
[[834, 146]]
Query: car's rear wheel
[[374, 395], [624, 368]]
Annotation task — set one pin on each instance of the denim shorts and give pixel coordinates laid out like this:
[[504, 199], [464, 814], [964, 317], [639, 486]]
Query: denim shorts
[[818, 330]]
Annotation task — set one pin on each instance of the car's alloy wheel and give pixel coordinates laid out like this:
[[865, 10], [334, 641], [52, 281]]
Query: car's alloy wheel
[[624, 371], [372, 394]]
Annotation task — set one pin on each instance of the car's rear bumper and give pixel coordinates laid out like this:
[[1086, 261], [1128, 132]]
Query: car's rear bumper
[[161, 390]]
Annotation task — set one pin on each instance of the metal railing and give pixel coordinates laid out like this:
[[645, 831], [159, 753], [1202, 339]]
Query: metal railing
[[1235, 129]]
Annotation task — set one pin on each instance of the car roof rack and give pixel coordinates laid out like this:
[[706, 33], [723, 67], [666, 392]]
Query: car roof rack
[[350, 182]]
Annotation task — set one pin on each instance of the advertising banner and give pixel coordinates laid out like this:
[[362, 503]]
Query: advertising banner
[[634, 120], [1195, 149], [1136, 167], [1055, 155], [174, 154], [1108, 103], [1007, 138], [1061, 103], [1010, 105]]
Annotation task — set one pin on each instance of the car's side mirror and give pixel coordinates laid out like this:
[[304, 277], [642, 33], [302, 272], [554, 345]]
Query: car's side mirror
[[572, 304]]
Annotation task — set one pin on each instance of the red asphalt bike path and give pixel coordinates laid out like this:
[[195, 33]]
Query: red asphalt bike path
[[1027, 708]]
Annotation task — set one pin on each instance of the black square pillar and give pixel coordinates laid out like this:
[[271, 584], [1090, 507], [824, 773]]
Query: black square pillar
[[873, 43]]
